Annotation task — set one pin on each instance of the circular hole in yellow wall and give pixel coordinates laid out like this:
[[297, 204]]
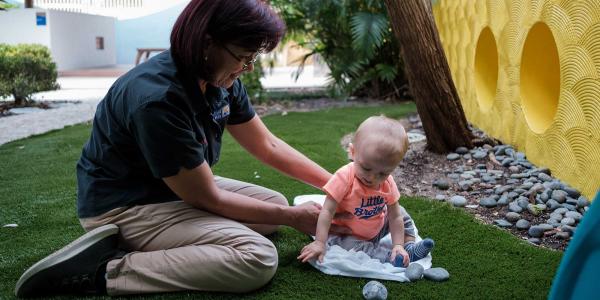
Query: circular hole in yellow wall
[[486, 69], [540, 78]]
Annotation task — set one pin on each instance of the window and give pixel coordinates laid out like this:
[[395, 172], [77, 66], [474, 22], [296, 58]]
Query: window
[[99, 43]]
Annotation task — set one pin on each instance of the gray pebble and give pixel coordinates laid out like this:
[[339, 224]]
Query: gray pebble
[[503, 200], [569, 206], [507, 161], [561, 210], [552, 204], [458, 201], [523, 224], [488, 202], [556, 216], [374, 290], [440, 197], [452, 156], [514, 207], [436, 274], [561, 235], [559, 195], [441, 184], [582, 201], [503, 223], [514, 169], [465, 185], [536, 231], [535, 241], [523, 202], [567, 228], [546, 226], [462, 150], [512, 216], [574, 215], [544, 177], [568, 221], [479, 154], [572, 192], [414, 272]]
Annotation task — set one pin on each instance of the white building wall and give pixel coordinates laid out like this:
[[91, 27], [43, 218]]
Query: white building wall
[[18, 26], [73, 40]]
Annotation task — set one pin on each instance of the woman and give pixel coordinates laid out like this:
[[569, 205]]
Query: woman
[[145, 179]]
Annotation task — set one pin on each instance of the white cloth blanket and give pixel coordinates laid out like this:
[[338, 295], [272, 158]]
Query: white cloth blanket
[[341, 262]]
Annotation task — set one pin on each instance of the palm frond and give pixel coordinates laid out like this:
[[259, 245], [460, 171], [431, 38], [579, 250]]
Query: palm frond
[[368, 30], [386, 72]]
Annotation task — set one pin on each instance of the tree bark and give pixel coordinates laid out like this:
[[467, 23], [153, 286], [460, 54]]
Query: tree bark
[[28, 4], [429, 75]]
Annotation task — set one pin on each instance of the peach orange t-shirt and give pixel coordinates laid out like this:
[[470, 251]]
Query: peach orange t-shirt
[[367, 205]]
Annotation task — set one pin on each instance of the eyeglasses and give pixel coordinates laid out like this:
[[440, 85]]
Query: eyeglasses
[[247, 62]]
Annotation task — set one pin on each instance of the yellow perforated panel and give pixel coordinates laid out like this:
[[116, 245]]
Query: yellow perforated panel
[[528, 73]]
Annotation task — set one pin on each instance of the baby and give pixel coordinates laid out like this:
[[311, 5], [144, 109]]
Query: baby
[[365, 189]]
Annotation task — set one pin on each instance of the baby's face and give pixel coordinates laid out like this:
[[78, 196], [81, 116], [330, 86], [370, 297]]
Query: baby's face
[[371, 167]]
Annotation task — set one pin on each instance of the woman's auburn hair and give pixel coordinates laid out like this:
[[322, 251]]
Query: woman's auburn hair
[[249, 24]]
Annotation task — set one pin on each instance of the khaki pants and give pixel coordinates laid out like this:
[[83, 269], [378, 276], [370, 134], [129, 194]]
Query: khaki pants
[[173, 247]]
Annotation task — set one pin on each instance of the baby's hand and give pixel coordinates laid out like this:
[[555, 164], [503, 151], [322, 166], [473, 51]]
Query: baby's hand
[[312, 250], [399, 250]]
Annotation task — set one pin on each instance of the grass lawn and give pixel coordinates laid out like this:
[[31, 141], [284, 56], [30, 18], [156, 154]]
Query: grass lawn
[[38, 191]]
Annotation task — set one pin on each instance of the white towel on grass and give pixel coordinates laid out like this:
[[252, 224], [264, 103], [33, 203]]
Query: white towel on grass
[[338, 261]]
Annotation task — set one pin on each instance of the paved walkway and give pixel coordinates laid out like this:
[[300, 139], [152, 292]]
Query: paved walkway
[[83, 93]]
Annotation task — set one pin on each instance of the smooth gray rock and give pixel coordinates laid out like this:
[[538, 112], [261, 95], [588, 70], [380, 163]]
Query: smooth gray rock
[[561, 235], [465, 185], [441, 184], [504, 200], [523, 224], [512, 216], [582, 201], [452, 156], [536, 231], [458, 201], [440, 197], [503, 223], [561, 210], [544, 177], [559, 195], [535, 241], [568, 221], [573, 214], [414, 272], [436, 274], [523, 202], [374, 290], [514, 207], [488, 202], [556, 216], [462, 150], [573, 193], [553, 205]]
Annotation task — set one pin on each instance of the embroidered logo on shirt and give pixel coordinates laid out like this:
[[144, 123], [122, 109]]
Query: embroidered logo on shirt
[[221, 113], [370, 207]]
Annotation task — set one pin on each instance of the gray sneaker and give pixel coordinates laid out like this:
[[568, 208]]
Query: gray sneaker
[[78, 268]]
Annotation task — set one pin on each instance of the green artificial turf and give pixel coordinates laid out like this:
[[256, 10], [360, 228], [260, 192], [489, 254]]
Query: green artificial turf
[[38, 189]]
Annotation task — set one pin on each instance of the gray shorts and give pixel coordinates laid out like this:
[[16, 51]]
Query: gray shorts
[[372, 247], [409, 227]]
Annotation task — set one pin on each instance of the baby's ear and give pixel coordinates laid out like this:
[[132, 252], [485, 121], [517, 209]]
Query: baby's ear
[[350, 150]]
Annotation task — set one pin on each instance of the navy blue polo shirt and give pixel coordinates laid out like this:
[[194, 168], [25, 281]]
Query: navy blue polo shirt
[[153, 121]]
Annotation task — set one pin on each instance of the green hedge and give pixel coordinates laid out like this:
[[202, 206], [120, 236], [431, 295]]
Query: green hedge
[[26, 69]]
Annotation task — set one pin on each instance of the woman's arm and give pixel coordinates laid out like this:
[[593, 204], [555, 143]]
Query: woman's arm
[[197, 188], [317, 248], [256, 138]]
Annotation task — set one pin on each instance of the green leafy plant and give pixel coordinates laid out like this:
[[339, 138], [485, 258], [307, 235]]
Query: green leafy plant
[[355, 40], [251, 81], [26, 69]]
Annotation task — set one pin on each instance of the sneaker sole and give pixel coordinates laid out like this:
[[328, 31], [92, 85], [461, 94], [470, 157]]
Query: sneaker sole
[[68, 251]]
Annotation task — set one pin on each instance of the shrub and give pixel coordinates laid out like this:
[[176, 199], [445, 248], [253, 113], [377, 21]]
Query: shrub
[[26, 69], [355, 40], [252, 83]]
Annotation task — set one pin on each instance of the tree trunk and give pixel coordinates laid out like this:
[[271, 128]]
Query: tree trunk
[[28, 3], [429, 75]]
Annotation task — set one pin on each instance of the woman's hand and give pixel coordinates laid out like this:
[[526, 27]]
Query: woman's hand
[[399, 250], [305, 216], [312, 250]]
